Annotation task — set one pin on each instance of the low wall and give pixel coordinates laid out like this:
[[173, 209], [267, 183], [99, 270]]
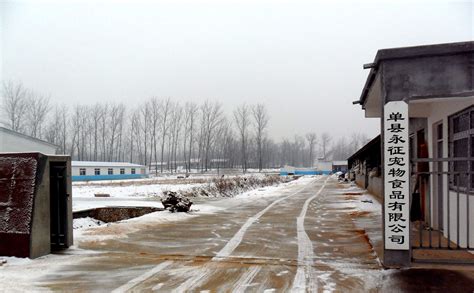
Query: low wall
[[360, 180], [375, 186], [285, 173]]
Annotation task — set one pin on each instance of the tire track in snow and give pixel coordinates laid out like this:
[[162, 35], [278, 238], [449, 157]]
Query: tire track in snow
[[134, 282], [227, 250], [245, 279], [196, 281], [237, 238], [304, 273]]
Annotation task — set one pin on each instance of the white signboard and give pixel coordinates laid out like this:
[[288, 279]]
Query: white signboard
[[396, 176]]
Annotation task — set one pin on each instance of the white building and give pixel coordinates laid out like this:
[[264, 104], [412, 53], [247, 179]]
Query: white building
[[12, 141], [424, 98], [87, 170]]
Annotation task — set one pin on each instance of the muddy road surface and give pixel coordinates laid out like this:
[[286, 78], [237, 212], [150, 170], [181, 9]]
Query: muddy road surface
[[302, 239]]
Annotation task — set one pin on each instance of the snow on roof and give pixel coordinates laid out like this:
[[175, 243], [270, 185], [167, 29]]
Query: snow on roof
[[339, 163], [104, 164]]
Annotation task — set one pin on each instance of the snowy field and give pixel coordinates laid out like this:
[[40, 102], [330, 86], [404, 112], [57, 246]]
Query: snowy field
[[130, 195], [146, 192]]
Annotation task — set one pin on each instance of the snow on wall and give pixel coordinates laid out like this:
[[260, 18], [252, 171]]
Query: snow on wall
[[17, 185]]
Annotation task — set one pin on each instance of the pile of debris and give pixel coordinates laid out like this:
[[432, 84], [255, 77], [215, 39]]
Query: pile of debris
[[175, 202]]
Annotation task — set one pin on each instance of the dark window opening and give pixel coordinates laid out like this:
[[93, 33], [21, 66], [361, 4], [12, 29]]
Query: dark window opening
[[472, 119], [122, 171], [110, 171], [461, 143], [82, 171], [461, 122], [97, 171], [133, 171]]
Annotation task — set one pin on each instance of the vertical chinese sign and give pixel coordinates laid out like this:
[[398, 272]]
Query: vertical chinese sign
[[396, 176]]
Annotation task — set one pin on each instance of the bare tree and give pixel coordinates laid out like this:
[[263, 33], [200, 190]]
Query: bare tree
[[14, 104], [190, 111], [211, 118], [144, 129], [260, 117], [325, 140], [164, 124], [36, 113], [312, 140], [155, 109], [242, 121], [175, 132], [96, 114]]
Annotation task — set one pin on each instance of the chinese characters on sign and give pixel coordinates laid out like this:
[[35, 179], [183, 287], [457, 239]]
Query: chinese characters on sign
[[396, 174]]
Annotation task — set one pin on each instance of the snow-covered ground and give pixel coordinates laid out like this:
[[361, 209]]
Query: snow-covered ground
[[21, 274], [129, 195], [137, 192]]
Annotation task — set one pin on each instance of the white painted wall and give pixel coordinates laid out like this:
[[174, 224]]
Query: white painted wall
[[104, 170], [435, 111], [324, 166]]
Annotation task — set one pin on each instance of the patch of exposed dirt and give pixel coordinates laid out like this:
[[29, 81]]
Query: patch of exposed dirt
[[360, 213], [353, 193]]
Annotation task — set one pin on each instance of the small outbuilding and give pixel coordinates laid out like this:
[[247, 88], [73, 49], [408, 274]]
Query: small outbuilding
[[339, 166], [35, 204], [89, 170]]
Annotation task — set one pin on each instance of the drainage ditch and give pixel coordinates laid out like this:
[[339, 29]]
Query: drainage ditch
[[115, 214]]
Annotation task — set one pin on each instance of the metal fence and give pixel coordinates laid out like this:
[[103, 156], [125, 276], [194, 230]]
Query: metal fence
[[442, 189]]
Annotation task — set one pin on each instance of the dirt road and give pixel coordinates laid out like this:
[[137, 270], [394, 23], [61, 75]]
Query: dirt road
[[303, 239]]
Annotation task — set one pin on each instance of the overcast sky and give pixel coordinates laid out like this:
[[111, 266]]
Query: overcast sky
[[303, 59]]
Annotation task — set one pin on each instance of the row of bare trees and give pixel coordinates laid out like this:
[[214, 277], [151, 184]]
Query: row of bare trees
[[166, 134]]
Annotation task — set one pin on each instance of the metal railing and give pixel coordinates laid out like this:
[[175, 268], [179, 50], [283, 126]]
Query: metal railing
[[458, 186]]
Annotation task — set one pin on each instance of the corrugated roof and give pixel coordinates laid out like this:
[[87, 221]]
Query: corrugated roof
[[104, 164]]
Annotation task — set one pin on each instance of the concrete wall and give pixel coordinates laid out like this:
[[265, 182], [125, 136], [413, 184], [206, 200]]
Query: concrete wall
[[25, 210], [17, 143], [324, 166], [41, 224], [375, 186], [360, 180], [425, 76]]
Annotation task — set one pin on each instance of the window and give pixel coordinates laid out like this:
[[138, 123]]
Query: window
[[461, 146], [110, 171], [122, 171], [82, 171], [97, 171], [133, 171]]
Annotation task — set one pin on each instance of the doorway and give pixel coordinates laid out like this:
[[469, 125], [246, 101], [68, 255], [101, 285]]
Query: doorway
[[58, 205]]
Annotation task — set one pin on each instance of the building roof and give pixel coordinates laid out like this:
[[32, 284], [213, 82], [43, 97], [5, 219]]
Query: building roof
[[374, 142], [408, 53], [104, 164], [31, 138], [339, 163]]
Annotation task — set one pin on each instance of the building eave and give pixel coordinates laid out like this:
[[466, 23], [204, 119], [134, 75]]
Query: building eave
[[411, 52]]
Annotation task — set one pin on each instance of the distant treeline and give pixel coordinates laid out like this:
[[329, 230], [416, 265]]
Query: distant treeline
[[191, 135]]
